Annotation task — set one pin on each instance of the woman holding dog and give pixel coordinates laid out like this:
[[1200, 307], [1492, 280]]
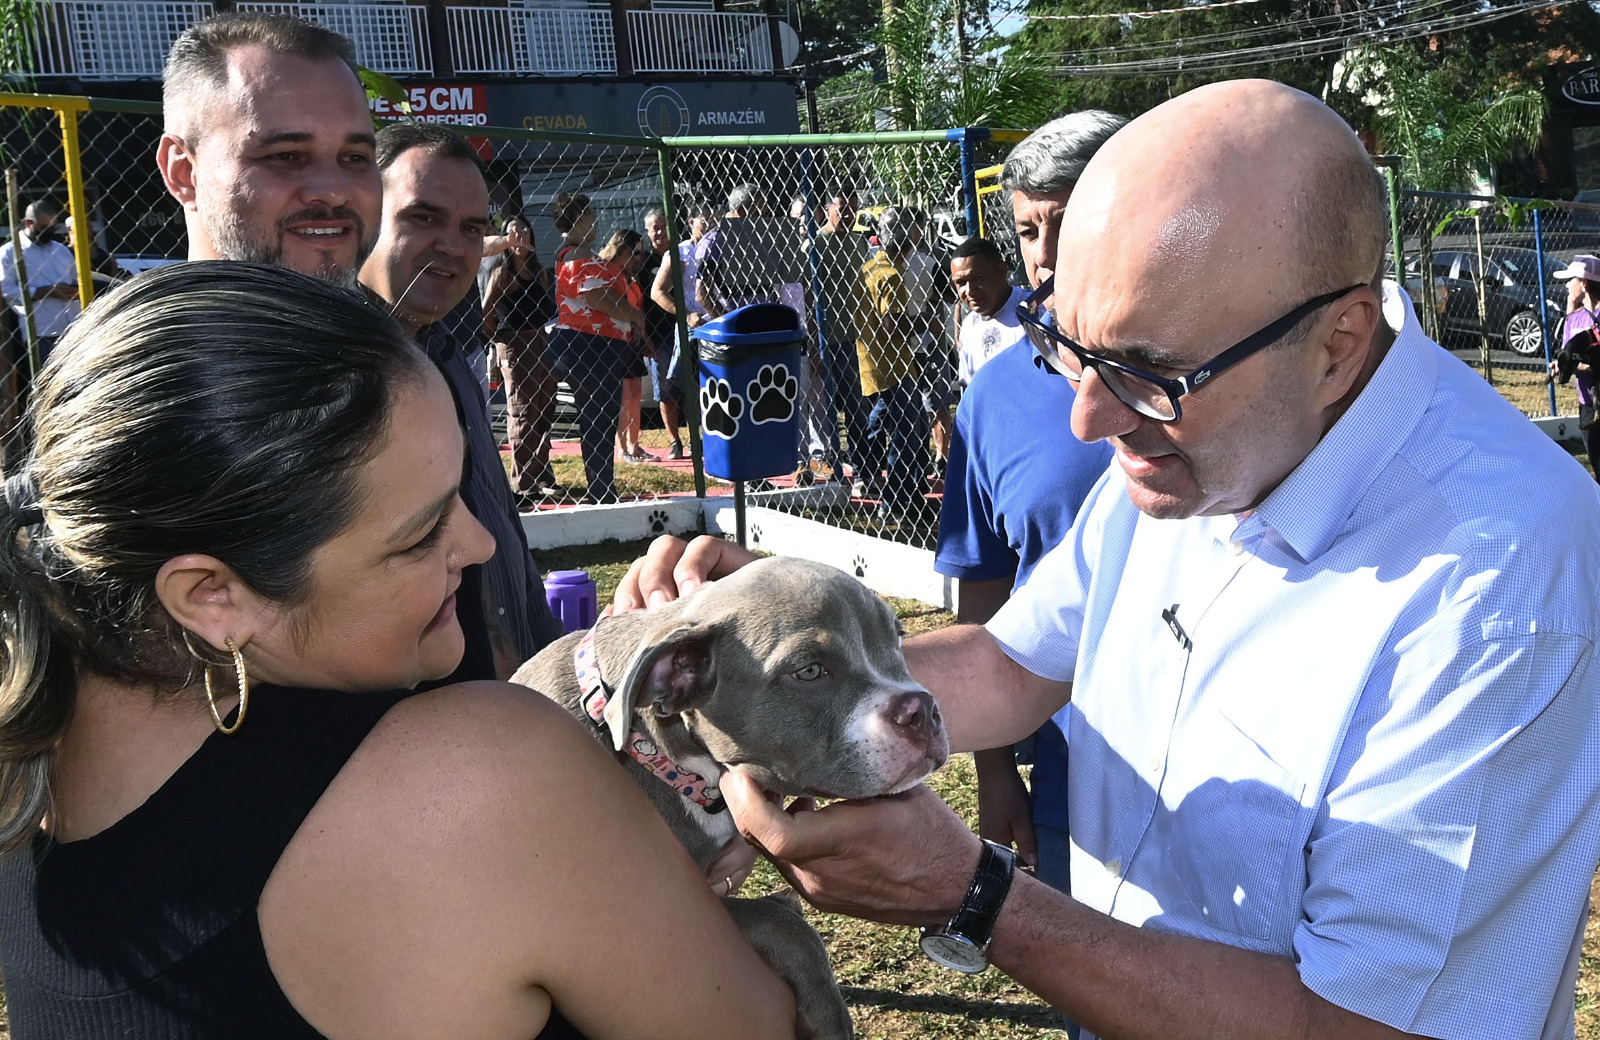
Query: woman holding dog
[[231, 555]]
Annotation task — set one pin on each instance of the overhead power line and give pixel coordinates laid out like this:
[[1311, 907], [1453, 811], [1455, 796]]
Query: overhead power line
[[1137, 14], [1302, 28], [1468, 14]]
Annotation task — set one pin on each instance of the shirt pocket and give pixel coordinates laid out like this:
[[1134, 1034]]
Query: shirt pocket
[[1235, 841]]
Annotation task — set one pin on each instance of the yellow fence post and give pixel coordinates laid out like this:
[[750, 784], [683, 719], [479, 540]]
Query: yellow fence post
[[77, 202], [988, 173]]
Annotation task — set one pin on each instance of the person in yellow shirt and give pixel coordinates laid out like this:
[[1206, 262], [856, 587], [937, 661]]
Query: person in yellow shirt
[[886, 328]]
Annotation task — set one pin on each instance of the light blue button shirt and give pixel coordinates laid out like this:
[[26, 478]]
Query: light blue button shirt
[[1371, 739]]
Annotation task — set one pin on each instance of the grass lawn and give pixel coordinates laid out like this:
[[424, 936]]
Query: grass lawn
[[894, 992]]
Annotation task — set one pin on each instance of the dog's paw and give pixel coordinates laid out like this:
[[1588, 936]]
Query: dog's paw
[[858, 566], [658, 521], [720, 408], [772, 394]]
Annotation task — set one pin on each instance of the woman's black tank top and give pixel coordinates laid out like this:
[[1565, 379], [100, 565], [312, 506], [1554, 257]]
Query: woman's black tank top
[[148, 929], [525, 304]]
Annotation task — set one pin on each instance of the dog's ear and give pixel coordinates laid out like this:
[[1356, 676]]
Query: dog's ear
[[670, 672]]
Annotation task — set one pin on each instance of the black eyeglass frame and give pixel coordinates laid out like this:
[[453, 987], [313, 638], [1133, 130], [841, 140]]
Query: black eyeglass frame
[[1027, 313]]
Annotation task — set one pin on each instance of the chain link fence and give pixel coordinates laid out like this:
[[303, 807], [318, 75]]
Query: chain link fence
[[577, 380], [1480, 271], [572, 363], [854, 233], [92, 163]]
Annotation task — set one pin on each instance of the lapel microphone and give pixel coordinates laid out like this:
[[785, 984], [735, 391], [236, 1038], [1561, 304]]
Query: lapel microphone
[[1170, 616]]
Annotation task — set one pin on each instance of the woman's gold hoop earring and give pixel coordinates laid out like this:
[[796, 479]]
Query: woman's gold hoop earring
[[244, 692]]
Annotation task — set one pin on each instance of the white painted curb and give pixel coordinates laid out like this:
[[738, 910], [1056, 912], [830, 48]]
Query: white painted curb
[[890, 568]]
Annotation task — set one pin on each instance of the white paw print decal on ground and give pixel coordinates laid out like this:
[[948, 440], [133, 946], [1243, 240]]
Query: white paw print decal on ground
[[720, 408], [772, 394]]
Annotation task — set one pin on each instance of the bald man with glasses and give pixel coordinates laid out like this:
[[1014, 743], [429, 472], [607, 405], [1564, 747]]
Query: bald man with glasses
[[1327, 628]]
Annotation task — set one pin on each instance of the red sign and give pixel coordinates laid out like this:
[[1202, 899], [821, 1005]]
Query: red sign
[[460, 105]]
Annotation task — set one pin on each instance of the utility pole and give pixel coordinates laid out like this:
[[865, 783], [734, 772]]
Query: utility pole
[[891, 63], [891, 56]]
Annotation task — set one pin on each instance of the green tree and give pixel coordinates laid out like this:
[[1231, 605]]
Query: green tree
[[1450, 137], [19, 27], [1131, 64], [832, 30]]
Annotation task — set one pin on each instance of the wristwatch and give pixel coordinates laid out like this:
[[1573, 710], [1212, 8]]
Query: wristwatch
[[962, 944]]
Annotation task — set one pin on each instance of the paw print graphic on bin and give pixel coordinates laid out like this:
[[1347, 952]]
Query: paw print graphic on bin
[[756, 350]]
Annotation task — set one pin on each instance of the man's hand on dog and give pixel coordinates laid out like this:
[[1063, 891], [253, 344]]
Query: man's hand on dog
[[901, 859], [673, 568]]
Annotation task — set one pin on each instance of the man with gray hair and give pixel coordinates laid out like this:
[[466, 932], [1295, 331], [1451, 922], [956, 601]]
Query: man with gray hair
[[746, 257], [1040, 173], [268, 145], [1016, 480]]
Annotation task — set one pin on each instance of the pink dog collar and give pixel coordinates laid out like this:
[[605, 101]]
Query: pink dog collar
[[641, 747]]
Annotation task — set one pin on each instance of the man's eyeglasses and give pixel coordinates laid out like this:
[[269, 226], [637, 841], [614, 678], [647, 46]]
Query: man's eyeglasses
[[1155, 397]]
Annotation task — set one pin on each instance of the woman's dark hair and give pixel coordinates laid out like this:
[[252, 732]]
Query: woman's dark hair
[[212, 407], [567, 209], [533, 254]]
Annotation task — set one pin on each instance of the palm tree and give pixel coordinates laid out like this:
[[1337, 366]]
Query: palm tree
[[19, 29], [929, 87], [1450, 136]]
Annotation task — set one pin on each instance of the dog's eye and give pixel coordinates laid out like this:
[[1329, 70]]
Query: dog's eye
[[810, 672]]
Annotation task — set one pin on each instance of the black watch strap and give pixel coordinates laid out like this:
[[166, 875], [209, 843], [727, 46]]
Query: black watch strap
[[981, 907]]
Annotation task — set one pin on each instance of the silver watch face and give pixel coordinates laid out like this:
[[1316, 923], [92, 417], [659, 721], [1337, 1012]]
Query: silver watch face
[[956, 952]]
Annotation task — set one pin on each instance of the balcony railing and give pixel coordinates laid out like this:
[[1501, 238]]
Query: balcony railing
[[699, 41], [129, 39], [109, 39], [531, 41], [390, 37]]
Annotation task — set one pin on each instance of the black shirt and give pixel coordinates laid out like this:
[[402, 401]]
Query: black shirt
[[148, 930]]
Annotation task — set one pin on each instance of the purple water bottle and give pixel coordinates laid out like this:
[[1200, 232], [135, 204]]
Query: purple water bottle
[[572, 598]]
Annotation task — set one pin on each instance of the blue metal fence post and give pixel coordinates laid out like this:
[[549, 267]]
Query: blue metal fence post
[[965, 139], [1544, 332]]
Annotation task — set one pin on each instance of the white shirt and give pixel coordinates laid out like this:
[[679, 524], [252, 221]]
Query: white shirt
[[918, 277], [688, 255], [49, 263], [982, 338], [1380, 755]]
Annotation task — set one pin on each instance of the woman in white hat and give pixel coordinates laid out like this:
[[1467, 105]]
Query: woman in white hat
[[1580, 336]]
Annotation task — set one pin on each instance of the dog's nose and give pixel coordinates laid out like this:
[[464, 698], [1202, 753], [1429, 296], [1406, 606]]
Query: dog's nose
[[917, 712]]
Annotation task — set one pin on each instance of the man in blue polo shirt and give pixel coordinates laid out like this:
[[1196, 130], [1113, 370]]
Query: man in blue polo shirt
[[1016, 479]]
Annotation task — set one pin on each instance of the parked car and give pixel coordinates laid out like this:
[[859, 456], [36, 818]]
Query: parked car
[[1413, 285], [1585, 219], [132, 264], [1510, 278]]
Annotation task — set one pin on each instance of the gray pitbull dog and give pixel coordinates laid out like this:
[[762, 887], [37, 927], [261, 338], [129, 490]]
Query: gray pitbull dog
[[788, 669]]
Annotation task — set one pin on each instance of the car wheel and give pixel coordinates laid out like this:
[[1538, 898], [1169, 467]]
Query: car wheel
[[1523, 335]]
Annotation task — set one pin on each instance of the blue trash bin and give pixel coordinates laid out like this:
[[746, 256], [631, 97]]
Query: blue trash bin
[[750, 391]]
